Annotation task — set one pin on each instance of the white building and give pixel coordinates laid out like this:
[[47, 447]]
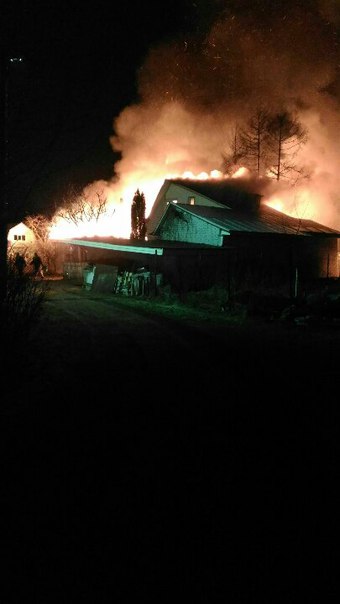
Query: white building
[[20, 237]]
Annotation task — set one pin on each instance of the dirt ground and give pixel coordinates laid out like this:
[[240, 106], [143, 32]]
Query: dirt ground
[[144, 458]]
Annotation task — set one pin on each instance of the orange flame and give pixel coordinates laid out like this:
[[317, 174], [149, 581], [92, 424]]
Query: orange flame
[[116, 221]]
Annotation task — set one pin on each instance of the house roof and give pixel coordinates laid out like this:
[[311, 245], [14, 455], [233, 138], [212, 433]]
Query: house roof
[[132, 246], [264, 220], [241, 210], [229, 192]]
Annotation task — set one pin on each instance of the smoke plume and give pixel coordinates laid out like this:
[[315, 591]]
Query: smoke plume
[[240, 56]]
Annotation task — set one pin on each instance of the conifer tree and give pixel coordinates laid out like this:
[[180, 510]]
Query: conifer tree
[[138, 222], [254, 141], [268, 145], [287, 136]]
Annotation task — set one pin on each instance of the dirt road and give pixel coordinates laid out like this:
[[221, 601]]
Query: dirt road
[[89, 343], [144, 458]]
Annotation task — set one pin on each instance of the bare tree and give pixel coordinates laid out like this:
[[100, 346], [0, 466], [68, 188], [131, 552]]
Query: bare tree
[[267, 144], [47, 250], [40, 226], [254, 142], [81, 207], [286, 137], [233, 157]]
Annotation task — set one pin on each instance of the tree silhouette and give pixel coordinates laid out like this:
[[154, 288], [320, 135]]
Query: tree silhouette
[[79, 207], [255, 140], [234, 157], [138, 222], [267, 144], [249, 145], [286, 136]]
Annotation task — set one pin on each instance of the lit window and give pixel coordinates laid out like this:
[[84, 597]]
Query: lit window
[[192, 201]]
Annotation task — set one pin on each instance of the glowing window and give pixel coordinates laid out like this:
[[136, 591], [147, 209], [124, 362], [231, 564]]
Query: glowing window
[[192, 201]]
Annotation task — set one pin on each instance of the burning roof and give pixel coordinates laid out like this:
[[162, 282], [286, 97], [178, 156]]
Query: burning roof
[[264, 220]]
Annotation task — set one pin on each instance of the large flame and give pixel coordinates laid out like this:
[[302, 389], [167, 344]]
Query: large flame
[[116, 220], [192, 96], [178, 145]]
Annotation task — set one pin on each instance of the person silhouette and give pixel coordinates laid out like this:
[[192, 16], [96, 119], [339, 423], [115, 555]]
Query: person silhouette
[[20, 263], [37, 266]]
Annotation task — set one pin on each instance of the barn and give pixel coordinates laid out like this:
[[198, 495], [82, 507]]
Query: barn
[[266, 246], [203, 233]]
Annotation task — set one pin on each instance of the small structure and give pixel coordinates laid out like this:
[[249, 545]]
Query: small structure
[[19, 237], [266, 244], [203, 233], [88, 276]]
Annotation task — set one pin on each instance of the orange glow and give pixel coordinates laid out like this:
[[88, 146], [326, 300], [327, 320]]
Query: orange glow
[[241, 172], [116, 222], [302, 204], [276, 204]]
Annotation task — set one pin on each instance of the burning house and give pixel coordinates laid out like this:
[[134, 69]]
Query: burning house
[[202, 233], [199, 100], [196, 106], [265, 245]]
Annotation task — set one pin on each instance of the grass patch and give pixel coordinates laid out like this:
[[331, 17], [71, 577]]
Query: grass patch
[[184, 311]]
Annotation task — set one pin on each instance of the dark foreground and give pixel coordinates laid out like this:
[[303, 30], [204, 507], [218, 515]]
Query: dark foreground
[[146, 460]]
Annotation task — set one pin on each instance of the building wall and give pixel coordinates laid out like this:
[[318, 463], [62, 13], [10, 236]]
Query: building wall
[[174, 193], [183, 195], [247, 262], [196, 270], [180, 226], [321, 254], [314, 256], [20, 235], [277, 260]]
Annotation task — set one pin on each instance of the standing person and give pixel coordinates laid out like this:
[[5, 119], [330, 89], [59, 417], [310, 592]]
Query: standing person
[[20, 263], [37, 266]]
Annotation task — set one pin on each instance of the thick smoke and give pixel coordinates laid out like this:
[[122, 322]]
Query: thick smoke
[[193, 91]]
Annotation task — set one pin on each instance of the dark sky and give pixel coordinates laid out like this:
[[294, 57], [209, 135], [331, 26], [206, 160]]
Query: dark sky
[[79, 71], [187, 68]]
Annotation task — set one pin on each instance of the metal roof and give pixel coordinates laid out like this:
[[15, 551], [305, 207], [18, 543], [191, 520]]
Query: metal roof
[[263, 220], [230, 192], [133, 246]]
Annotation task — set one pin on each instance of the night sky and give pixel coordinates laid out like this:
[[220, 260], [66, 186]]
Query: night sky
[[79, 71], [186, 69]]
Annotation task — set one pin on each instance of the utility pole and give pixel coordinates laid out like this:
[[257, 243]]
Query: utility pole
[[4, 76], [5, 64]]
